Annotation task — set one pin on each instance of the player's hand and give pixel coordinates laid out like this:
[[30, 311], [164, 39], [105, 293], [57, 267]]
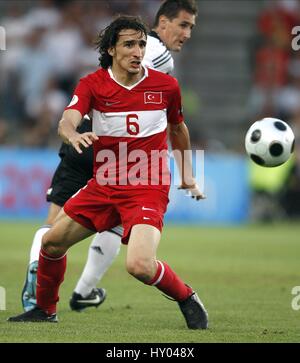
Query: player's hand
[[86, 139], [192, 191]]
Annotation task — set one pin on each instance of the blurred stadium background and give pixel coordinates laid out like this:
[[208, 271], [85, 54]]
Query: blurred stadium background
[[239, 66]]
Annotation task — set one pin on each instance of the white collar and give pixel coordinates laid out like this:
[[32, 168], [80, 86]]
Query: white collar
[[132, 86]]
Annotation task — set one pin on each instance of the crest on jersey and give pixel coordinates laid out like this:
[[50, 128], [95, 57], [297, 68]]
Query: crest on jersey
[[153, 97]]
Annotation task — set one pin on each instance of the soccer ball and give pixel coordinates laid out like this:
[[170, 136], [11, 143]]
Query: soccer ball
[[270, 142]]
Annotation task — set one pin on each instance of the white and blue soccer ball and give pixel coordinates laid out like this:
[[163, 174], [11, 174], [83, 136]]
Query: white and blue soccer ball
[[269, 142]]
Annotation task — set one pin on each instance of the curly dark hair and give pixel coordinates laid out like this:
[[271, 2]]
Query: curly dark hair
[[109, 36]]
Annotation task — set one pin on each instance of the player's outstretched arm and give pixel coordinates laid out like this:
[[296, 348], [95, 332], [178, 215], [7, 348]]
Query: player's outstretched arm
[[180, 141], [67, 131]]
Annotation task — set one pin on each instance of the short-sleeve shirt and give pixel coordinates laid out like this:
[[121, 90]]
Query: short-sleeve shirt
[[128, 120], [157, 56]]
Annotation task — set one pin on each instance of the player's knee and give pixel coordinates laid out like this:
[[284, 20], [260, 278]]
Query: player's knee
[[141, 269], [52, 247]]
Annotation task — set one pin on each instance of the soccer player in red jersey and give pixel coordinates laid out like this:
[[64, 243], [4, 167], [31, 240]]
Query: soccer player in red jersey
[[173, 26], [131, 107]]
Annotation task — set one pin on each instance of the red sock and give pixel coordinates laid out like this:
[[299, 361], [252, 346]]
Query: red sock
[[168, 282], [50, 275]]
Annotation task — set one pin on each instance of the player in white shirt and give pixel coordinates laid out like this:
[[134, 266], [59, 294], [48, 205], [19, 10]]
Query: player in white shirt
[[157, 54]]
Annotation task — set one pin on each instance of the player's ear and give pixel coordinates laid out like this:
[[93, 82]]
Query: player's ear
[[163, 20], [111, 51]]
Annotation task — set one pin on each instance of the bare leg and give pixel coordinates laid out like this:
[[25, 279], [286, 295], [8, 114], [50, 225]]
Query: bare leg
[[64, 233], [142, 264], [53, 211], [141, 253]]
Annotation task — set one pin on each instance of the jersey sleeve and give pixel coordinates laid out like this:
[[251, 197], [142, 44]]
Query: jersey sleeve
[[158, 57], [82, 98], [175, 112]]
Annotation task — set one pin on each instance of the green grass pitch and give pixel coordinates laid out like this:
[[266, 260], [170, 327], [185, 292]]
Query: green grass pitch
[[244, 276]]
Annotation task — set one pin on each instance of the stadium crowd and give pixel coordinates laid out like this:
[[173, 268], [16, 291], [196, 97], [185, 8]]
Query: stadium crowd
[[276, 93], [276, 78], [49, 44], [50, 48]]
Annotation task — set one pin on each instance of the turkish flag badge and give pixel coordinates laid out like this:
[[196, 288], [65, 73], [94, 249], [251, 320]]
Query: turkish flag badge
[[153, 97]]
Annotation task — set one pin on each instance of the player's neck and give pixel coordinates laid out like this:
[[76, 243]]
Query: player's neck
[[125, 78], [160, 33]]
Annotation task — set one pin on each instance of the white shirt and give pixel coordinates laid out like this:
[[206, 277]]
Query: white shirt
[[157, 55]]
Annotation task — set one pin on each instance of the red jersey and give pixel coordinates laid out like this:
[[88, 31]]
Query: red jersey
[[131, 123]]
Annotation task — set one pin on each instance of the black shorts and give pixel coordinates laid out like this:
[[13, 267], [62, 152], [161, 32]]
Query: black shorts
[[66, 182]]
